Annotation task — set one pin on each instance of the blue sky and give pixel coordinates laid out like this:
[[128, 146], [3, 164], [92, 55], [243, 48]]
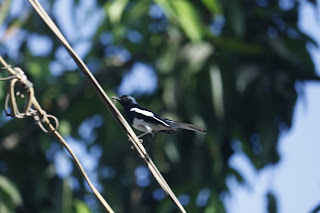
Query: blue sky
[[296, 179]]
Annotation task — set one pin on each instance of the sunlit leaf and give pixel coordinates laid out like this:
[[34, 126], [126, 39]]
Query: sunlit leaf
[[196, 54], [213, 6], [81, 207], [187, 16], [114, 10], [65, 128], [4, 208], [189, 19]]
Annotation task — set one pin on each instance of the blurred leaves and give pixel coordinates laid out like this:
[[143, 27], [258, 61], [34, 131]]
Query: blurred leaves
[[186, 15], [4, 9], [81, 207], [316, 209], [232, 67], [10, 197], [115, 9], [213, 5], [271, 202]]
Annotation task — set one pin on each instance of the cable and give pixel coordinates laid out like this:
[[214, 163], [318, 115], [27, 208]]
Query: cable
[[108, 103], [33, 109]]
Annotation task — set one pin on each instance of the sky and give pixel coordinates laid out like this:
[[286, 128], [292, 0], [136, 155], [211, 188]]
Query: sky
[[296, 179]]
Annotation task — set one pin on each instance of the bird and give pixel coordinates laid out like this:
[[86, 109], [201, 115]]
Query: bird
[[149, 122]]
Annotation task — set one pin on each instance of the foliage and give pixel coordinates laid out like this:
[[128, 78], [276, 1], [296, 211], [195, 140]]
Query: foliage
[[10, 197], [231, 66]]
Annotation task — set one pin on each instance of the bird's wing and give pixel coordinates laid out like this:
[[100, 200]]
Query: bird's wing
[[148, 116]]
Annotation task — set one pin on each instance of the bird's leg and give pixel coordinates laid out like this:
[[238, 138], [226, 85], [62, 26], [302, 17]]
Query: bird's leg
[[154, 135], [143, 134], [149, 130], [141, 141]]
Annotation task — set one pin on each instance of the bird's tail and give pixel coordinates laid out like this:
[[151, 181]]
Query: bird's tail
[[178, 125]]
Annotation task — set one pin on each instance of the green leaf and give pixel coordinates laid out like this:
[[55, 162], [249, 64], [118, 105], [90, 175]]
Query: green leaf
[[81, 207], [213, 6], [189, 19], [187, 16], [115, 10], [237, 19], [4, 208], [7, 188], [35, 69], [65, 128]]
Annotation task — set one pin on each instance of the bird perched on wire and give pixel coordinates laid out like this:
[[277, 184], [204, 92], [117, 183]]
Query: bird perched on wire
[[147, 121]]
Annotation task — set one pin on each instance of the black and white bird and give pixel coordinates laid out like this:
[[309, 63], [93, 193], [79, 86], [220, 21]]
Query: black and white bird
[[147, 121]]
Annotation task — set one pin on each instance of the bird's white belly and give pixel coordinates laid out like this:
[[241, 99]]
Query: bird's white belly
[[143, 126]]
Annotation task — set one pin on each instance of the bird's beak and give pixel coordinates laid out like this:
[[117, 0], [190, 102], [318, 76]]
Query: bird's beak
[[115, 98]]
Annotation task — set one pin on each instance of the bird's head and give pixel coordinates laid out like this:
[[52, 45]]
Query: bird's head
[[125, 100]]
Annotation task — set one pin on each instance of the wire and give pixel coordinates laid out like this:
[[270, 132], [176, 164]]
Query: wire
[[33, 109], [108, 103]]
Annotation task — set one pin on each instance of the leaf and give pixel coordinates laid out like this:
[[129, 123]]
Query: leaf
[[187, 16], [237, 19], [4, 208], [189, 19], [213, 6], [81, 207], [9, 189], [272, 202], [65, 127], [115, 10], [196, 55]]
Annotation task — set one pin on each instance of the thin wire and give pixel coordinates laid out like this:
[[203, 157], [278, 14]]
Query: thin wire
[[43, 120], [108, 103]]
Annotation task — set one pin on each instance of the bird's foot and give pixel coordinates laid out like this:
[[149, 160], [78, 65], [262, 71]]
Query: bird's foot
[[140, 140]]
